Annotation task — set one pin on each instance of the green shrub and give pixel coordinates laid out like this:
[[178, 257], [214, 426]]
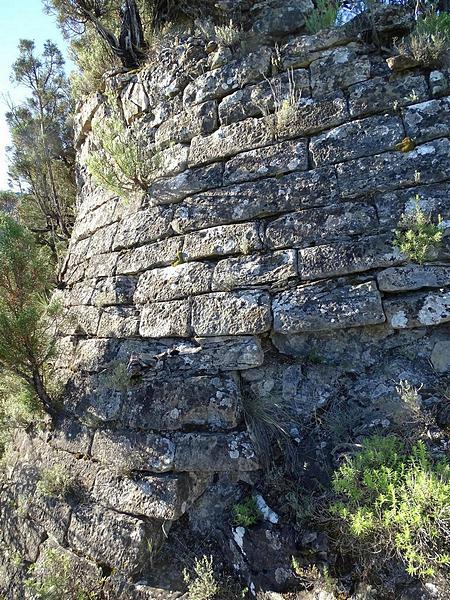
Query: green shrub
[[56, 482], [201, 582], [418, 237], [429, 42], [323, 16], [246, 513], [393, 502], [56, 577]]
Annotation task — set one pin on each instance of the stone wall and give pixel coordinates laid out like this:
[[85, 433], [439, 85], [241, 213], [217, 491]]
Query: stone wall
[[259, 262]]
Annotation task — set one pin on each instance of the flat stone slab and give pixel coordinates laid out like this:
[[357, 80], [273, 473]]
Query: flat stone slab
[[320, 307], [418, 310], [313, 226], [231, 313], [373, 135], [413, 277], [254, 270], [172, 283]]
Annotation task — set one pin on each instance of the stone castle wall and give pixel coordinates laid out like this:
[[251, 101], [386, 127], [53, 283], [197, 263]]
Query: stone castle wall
[[260, 262]]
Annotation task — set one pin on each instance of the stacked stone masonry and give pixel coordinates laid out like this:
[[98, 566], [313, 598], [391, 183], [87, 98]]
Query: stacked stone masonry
[[258, 242]]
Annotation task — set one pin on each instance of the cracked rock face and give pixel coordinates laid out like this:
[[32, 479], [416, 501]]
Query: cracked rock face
[[259, 263]]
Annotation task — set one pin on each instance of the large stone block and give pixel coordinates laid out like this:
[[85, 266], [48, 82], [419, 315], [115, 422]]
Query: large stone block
[[254, 270], [253, 100], [233, 313], [344, 258], [301, 51], [267, 162], [187, 183], [380, 94], [143, 227], [158, 254], [418, 310], [322, 307], [166, 319], [428, 163], [413, 277], [241, 238], [113, 290], [356, 139], [428, 120], [101, 265], [127, 451], [169, 404], [173, 283], [167, 162], [181, 128], [214, 453], [119, 321], [230, 140], [280, 17], [308, 227], [114, 539], [339, 69], [80, 320], [224, 80], [249, 201], [101, 240]]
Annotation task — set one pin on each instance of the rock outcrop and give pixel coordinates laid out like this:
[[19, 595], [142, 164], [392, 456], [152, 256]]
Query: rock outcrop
[[259, 263]]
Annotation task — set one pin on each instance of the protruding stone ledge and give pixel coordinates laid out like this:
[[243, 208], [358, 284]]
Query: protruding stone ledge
[[418, 310], [307, 227], [173, 283], [413, 277], [428, 163], [254, 270], [111, 538], [365, 137], [240, 238], [320, 307], [231, 313]]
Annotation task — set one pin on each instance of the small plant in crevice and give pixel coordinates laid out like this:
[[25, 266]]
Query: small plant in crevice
[[323, 16], [56, 577], [429, 41], [201, 579], [56, 482], [246, 513], [115, 377], [393, 502], [417, 236]]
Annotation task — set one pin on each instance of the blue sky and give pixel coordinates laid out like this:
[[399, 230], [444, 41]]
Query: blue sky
[[20, 19]]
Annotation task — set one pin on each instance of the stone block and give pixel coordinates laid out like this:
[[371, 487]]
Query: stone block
[[418, 310], [339, 69], [168, 404], [232, 313], [248, 201], [280, 17], [166, 319], [240, 238], [440, 356], [127, 451], [428, 120], [80, 320], [429, 162], [173, 283], [181, 128], [101, 241], [301, 51], [332, 260], [413, 277], [230, 140], [309, 227], [215, 453], [101, 265], [234, 353], [113, 290], [254, 270], [110, 538], [119, 321], [157, 254], [168, 162], [253, 100], [187, 183], [267, 162], [71, 436], [323, 307], [143, 227], [224, 80], [364, 137], [380, 94]]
